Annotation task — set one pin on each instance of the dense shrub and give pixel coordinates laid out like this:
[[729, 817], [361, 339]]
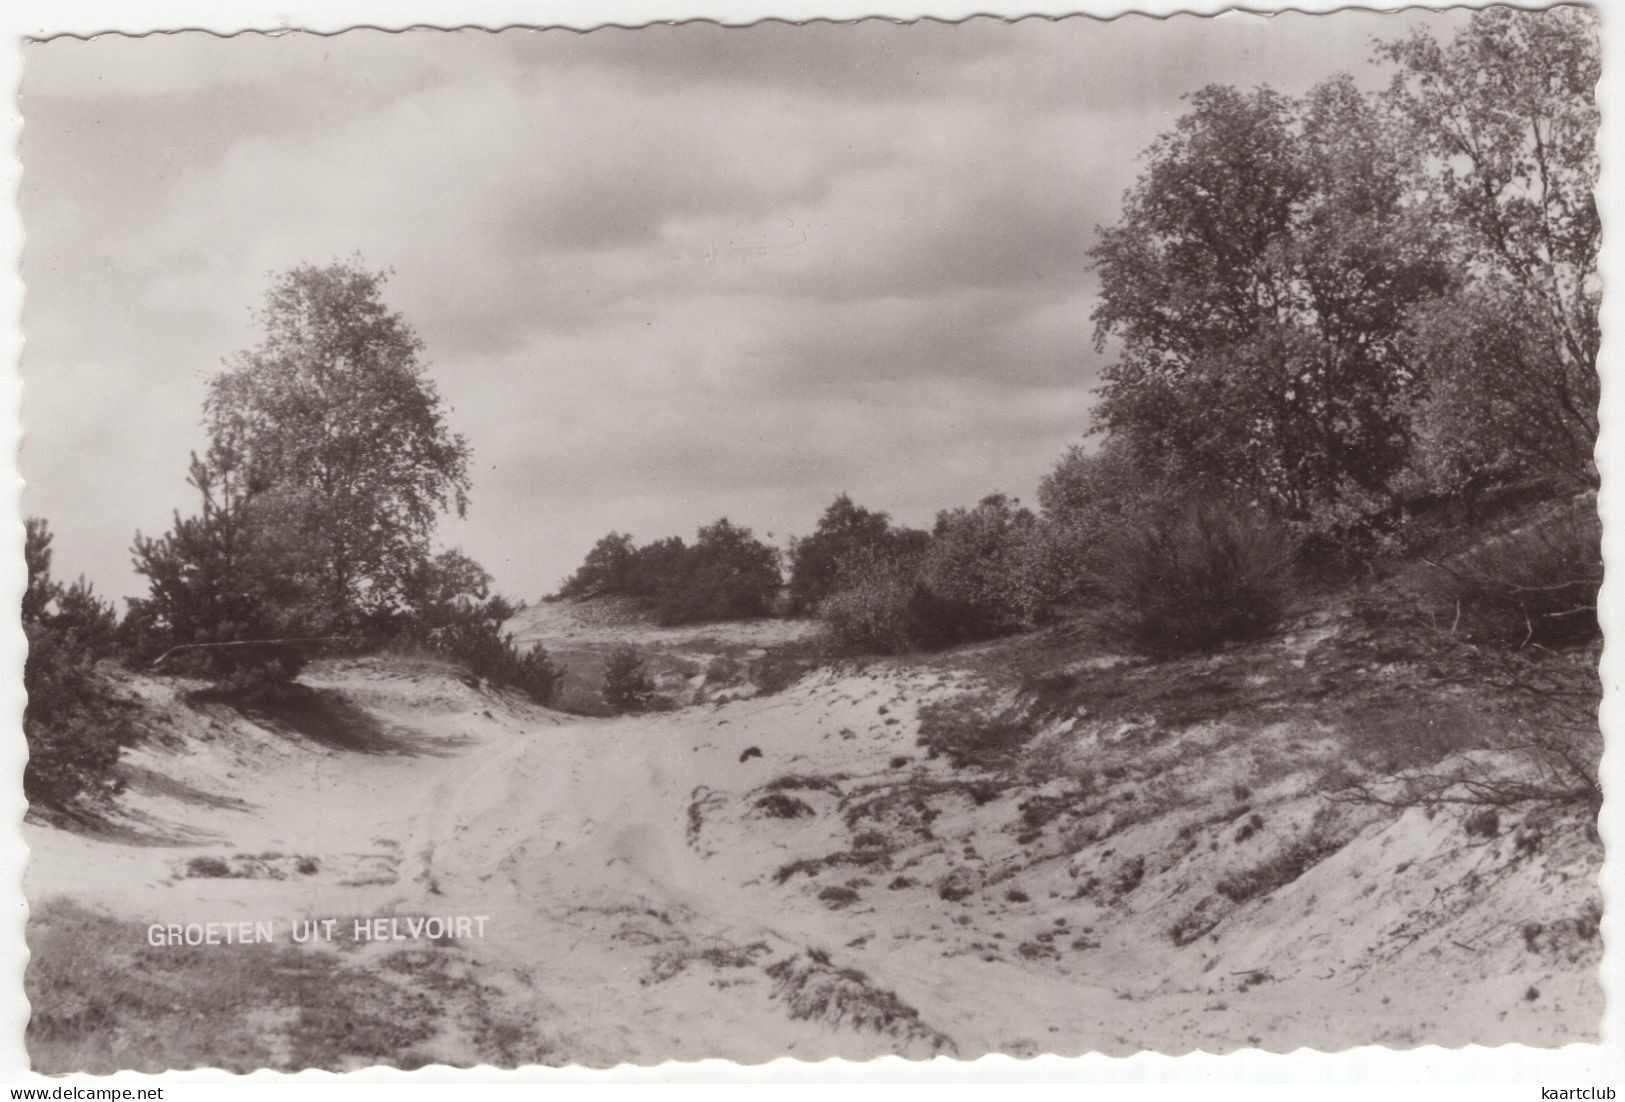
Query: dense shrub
[[655, 568], [845, 533], [1194, 577], [1339, 538], [627, 684], [1536, 586], [1055, 570], [983, 572], [236, 573], [974, 578], [476, 639], [974, 729], [437, 592], [243, 679], [75, 724]]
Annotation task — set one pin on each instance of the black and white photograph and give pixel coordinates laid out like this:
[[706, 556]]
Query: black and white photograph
[[1012, 536]]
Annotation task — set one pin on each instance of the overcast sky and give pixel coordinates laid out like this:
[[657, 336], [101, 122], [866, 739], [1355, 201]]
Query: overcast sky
[[663, 275]]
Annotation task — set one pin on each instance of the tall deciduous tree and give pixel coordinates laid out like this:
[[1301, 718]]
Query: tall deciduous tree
[[334, 414], [1504, 122], [1257, 283]]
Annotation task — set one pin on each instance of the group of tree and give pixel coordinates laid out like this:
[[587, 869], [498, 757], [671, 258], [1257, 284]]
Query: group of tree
[[881, 586], [845, 534], [329, 462], [969, 578], [725, 574]]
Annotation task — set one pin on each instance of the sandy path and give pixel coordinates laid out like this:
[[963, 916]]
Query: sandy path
[[635, 895]]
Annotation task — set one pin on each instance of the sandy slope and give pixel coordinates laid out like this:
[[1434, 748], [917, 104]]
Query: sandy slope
[[645, 903]]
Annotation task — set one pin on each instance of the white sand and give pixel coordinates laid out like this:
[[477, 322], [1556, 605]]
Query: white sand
[[628, 876]]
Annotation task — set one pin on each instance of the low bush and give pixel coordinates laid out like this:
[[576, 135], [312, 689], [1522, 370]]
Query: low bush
[[1082, 501], [845, 532], [76, 727], [727, 574], [838, 896], [1196, 576], [627, 684], [793, 782], [783, 666], [1536, 586], [777, 805]]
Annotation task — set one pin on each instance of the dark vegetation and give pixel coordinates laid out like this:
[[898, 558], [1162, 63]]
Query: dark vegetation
[[1330, 320], [1194, 577], [972, 731], [814, 989], [627, 684], [779, 806], [1291, 862], [1535, 587], [76, 722], [179, 1008], [846, 534]]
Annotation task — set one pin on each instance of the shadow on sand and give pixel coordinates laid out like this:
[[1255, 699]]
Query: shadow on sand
[[111, 821], [327, 718], [323, 717]]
